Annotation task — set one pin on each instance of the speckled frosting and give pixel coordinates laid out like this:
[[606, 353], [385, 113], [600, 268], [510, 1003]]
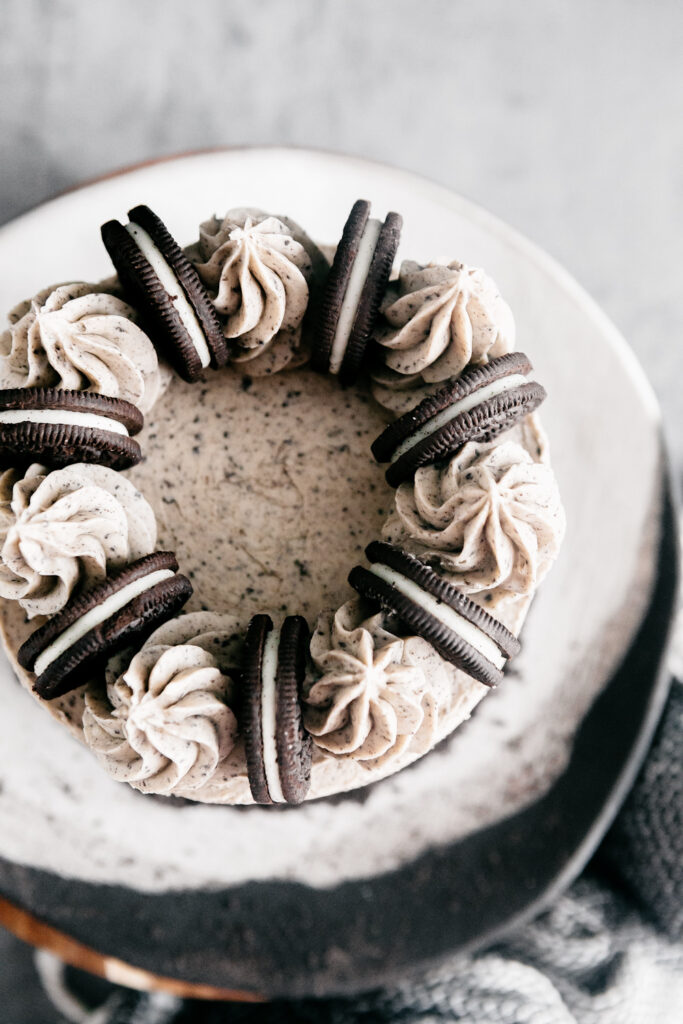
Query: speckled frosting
[[258, 276], [64, 530], [267, 492], [165, 721], [435, 321], [373, 692], [490, 518], [78, 337]]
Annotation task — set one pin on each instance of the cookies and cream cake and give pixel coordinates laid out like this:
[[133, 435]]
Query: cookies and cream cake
[[179, 601]]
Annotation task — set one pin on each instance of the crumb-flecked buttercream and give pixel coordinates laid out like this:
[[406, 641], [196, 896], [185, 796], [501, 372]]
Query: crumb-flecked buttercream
[[164, 721], [372, 689], [435, 321], [66, 529], [258, 276], [490, 519], [79, 337]]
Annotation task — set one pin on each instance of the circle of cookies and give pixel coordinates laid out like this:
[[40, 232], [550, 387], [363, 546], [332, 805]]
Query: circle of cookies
[[253, 291]]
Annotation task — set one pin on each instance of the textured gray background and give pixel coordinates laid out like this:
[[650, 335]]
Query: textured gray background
[[564, 117]]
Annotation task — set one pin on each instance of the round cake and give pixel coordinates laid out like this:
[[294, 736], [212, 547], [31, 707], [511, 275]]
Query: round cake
[[272, 516], [179, 599]]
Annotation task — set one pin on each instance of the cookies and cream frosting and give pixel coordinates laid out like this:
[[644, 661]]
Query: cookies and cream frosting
[[374, 691], [490, 518], [220, 635], [437, 320], [165, 721], [65, 530], [8, 478], [374, 699], [258, 276], [77, 337]]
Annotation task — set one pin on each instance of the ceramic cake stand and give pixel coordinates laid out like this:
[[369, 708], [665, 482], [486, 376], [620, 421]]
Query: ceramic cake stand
[[351, 892]]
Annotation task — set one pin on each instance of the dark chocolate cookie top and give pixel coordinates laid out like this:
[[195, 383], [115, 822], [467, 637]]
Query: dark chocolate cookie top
[[177, 309], [278, 749], [81, 652]]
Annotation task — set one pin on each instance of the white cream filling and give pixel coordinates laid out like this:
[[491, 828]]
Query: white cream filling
[[173, 288], [96, 615], [470, 633], [66, 417], [268, 716], [354, 290], [498, 387]]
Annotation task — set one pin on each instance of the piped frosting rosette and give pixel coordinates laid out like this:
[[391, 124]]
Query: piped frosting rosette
[[490, 519], [373, 693], [165, 721], [64, 530], [78, 337], [258, 275], [435, 321]]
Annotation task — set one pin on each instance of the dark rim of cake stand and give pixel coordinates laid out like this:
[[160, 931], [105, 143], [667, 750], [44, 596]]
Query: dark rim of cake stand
[[285, 939]]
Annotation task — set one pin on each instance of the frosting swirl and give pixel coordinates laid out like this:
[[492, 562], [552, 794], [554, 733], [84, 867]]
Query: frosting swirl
[[377, 692], [8, 479], [75, 337], [490, 518], [436, 320], [257, 274], [222, 636], [66, 529], [286, 350], [164, 721]]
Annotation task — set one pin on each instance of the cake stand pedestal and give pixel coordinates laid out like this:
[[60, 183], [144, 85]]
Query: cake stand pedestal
[[42, 936]]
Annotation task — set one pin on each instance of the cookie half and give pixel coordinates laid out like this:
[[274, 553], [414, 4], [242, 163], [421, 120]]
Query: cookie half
[[166, 288], [278, 749], [481, 404], [56, 427], [126, 607], [460, 630], [353, 291]]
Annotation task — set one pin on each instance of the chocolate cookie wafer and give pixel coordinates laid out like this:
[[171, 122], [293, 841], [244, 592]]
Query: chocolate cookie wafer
[[126, 607], [353, 291], [166, 288], [482, 403], [278, 749], [460, 630], [56, 427]]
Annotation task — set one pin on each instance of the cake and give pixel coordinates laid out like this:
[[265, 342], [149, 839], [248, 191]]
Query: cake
[[301, 498], [253, 470]]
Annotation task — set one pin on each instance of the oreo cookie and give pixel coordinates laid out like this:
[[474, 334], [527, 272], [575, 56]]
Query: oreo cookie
[[160, 280], [56, 427], [126, 607], [460, 630], [478, 406], [278, 749], [354, 289]]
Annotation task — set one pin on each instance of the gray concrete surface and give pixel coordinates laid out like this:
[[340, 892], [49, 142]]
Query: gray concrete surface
[[564, 117]]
